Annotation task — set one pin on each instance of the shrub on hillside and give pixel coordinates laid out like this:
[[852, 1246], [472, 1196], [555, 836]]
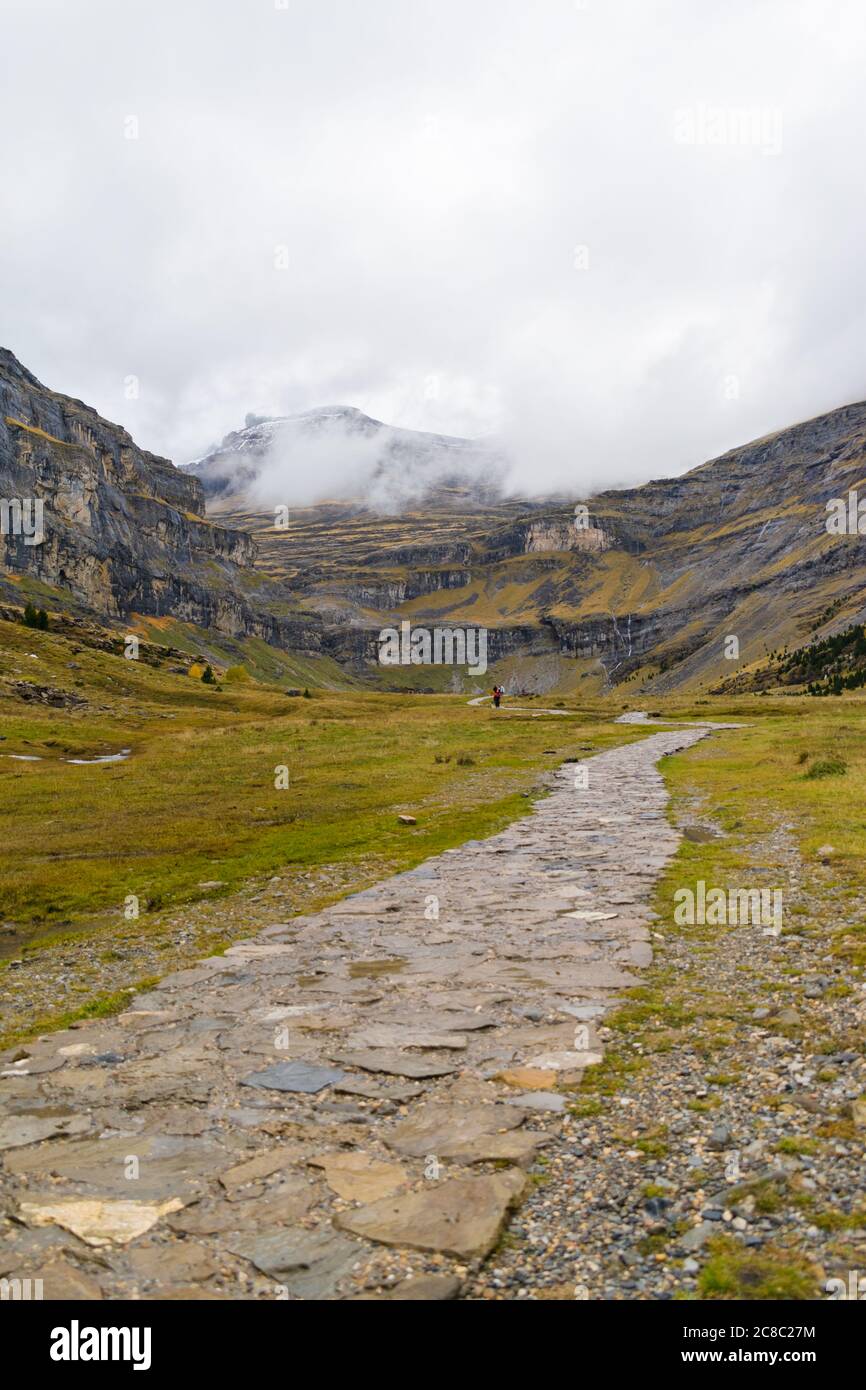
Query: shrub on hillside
[[34, 617], [827, 767]]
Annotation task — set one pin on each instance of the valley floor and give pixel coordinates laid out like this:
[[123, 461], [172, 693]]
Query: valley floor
[[403, 1044], [537, 1084], [506, 1073], [236, 806]]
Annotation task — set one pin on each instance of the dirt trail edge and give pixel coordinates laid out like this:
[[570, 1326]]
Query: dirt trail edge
[[351, 1104]]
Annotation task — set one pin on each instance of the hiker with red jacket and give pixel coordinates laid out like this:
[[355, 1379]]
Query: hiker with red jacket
[[497, 696]]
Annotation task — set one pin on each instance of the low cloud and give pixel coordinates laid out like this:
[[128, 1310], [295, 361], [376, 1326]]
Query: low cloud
[[621, 237], [299, 469], [344, 455]]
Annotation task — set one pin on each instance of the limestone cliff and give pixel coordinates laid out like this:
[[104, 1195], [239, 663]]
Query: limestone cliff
[[121, 529]]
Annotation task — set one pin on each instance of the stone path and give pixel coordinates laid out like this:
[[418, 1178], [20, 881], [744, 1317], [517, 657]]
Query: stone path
[[508, 708], [349, 1105], [727, 1155]]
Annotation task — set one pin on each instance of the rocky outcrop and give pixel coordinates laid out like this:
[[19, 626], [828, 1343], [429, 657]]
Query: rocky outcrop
[[389, 593], [565, 534], [435, 553], [120, 529]]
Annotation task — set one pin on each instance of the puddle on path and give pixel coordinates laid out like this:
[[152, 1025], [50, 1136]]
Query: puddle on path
[[105, 758]]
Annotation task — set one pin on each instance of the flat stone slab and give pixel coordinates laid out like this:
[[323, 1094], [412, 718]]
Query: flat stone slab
[[282, 1205], [309, 1264], [293, 1076], [549, 1101], [262, 1165], [640, 953], [461, 1216], [393, 1063], [520, 1147], [582, 1011], [258, 950], [462, 1023], [528, 1078], [358, 1177], [33, 1066], [19, 1131], [97, 1223], [367, 1090], [423, 1288], [63, 1282], [176, 1263], [567, 1061], [389, 1035], [166, 1166], [444, 1130]]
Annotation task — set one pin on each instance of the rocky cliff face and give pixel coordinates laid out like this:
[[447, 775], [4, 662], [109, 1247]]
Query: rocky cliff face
[[122, 530], [739, 547], [565, 534]]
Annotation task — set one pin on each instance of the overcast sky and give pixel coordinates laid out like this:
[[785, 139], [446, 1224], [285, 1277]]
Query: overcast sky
[[547, 219]]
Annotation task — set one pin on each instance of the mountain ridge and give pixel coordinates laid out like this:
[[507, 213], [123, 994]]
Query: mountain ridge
[[642, 584]]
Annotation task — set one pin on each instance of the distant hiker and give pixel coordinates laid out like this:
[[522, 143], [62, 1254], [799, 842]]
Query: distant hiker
[[497, 696]]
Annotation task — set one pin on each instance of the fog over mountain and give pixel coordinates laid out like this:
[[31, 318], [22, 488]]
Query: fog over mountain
[[621, 238], [338, 452]]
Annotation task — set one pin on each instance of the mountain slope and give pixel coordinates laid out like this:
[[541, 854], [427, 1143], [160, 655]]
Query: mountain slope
[[649, 582]]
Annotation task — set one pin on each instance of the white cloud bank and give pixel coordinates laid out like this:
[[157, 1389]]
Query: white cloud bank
[[624, 235]]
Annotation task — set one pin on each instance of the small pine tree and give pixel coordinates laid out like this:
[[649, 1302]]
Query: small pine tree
[[307, 695], [34, 617], [208, 676]]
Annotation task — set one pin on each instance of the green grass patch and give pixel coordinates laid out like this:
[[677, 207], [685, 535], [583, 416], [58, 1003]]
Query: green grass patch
[[734, 1272]]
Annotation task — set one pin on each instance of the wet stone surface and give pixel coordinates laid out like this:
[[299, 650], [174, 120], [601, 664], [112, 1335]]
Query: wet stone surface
[[350, 1104]]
